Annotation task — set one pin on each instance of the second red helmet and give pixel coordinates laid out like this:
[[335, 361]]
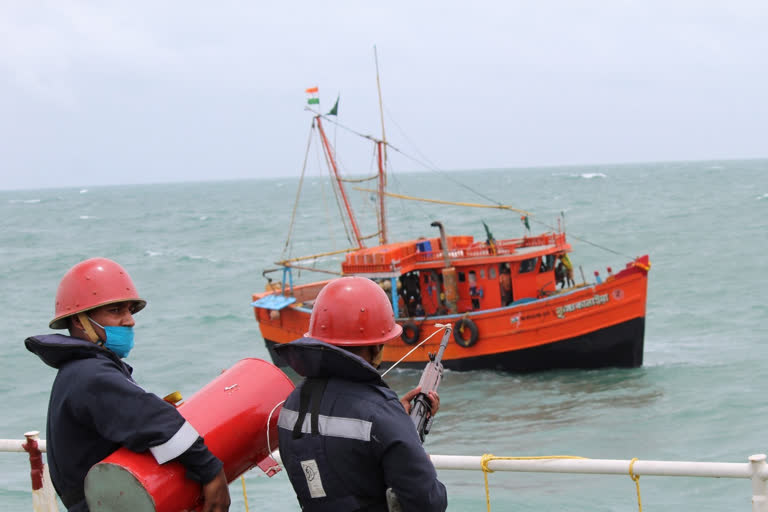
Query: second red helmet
[[353, 311]]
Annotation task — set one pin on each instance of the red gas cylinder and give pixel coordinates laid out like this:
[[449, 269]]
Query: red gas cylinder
[[231, 413]]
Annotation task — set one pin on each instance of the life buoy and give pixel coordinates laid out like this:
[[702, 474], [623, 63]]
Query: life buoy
[[411, 333], [460, 334]]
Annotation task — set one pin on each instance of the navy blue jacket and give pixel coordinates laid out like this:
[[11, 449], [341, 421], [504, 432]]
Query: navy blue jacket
[[96, 407], [355, 441]]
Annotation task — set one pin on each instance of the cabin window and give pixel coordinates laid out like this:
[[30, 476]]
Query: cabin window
[[462, 278], [492, 273], [482, 273], [547, 263], [528, 265]]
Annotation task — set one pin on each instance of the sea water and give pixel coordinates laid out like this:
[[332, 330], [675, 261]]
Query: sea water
[[196, 252]]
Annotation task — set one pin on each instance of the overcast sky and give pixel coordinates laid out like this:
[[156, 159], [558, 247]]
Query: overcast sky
[[95, 93]]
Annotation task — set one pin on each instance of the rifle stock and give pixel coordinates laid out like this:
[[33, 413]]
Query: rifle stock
[[421, 411]]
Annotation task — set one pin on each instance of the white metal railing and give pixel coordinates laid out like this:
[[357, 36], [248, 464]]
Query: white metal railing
[[17, 445], [755, 469], [43, 494]]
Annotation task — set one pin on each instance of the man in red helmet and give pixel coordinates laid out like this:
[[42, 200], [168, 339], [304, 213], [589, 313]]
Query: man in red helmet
[[345, 437], [95, 406]]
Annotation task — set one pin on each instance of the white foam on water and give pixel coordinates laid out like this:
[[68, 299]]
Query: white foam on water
[[24, 201]]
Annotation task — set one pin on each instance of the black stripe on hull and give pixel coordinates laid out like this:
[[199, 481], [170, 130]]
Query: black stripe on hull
[[619, 346]]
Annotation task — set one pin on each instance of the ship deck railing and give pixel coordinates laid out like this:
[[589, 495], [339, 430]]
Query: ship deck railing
[[372, 263], [755, 469]]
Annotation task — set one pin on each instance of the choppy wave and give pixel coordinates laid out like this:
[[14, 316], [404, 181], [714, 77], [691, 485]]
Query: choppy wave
[[764, 196], [583, 175], [196, 257], [24, 201]]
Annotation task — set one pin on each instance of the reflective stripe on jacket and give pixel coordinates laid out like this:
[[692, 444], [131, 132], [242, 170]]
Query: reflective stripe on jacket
[[353, 440]]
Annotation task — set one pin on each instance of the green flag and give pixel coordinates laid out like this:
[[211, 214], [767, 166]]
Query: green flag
[[487, 231], [313, 101], [335, 110]]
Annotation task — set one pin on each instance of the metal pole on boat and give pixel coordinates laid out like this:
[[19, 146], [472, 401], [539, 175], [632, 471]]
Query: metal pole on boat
[[450, 284], [381, 107], [382, 150], [759, 487], [382, 186], [393, 292]]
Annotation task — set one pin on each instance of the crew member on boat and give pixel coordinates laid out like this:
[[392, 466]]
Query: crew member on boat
[[505, 284], [345, 437], [95, 405], [568, 269]]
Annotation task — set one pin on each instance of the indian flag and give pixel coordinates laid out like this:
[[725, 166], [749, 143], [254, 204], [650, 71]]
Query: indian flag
[[313, 99]]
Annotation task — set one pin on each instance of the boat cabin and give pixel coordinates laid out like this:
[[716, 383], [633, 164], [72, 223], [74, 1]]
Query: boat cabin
[[425, 280]]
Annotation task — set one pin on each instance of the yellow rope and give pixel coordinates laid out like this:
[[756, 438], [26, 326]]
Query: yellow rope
[[245, 495], [488, 457], [438, 201], [636, 479]]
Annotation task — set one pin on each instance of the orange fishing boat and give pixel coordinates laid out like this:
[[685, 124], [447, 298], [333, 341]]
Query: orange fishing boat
[[514, 303]]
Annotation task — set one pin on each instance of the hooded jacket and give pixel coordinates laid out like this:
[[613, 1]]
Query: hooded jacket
[[345, 437], [96, 407]]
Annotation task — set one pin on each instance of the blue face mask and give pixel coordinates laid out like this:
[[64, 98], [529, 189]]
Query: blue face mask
[[119, 339]]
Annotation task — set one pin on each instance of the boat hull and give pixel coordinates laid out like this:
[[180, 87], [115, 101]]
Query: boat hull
[[619, 346], [602, 325]]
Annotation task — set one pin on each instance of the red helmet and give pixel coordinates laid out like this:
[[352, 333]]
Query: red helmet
[[353, 311], [90, 284]]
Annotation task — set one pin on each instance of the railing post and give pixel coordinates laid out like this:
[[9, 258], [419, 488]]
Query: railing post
[[43, 495], [759, 487]]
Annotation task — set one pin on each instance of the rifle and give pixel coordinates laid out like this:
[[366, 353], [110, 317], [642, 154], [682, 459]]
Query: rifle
[[421, 412]]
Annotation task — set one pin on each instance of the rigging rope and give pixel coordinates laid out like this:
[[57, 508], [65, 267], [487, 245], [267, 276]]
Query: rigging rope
[[335, 186], [359, 180], [245, 494], [447, 176], [434, 168], [298, 195], [636, 478], [440, 201]]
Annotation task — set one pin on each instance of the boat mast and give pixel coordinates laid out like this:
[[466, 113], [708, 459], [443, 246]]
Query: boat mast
[[382, 186], [332, 160], [382, 150]]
